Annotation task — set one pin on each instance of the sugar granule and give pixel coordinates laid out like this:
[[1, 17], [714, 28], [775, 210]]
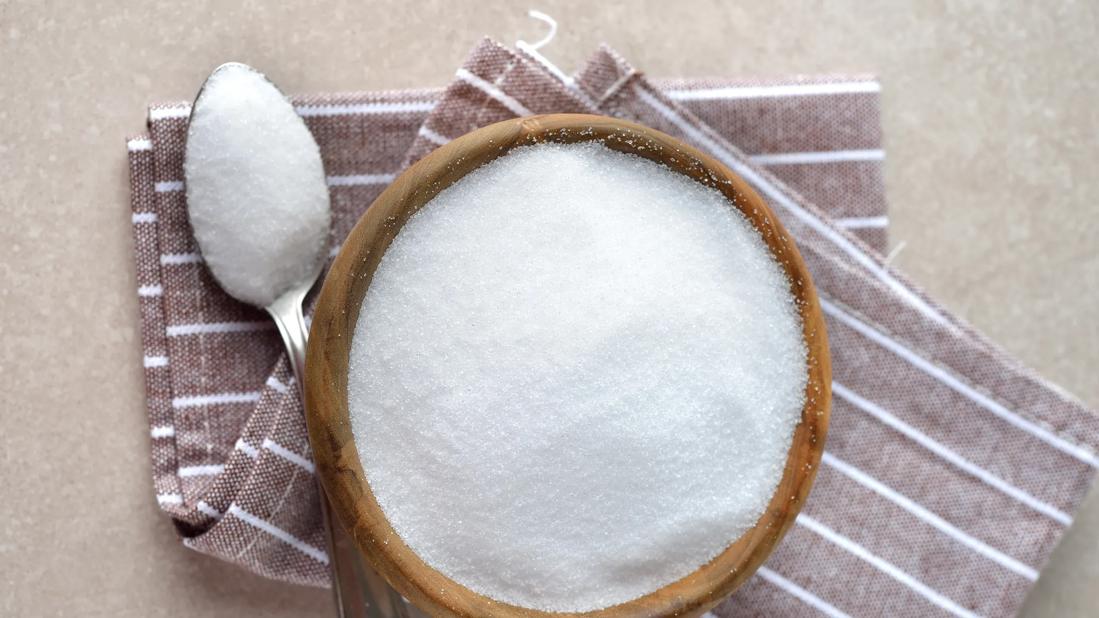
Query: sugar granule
[[256, 193], [575, 378]]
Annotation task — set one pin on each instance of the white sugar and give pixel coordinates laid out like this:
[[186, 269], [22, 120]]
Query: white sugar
[[256, 193], [575, 378]]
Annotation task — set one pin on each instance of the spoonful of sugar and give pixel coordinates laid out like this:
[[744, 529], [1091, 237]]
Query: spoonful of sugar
[[258, 202], [256, 193]]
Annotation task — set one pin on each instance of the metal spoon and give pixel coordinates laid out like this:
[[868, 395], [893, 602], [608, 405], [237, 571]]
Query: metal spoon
[[264, 277]]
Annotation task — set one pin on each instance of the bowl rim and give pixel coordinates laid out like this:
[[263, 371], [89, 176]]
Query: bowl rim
[[336, 313]]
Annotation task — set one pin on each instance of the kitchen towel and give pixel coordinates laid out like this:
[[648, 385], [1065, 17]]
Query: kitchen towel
[[950, 470]]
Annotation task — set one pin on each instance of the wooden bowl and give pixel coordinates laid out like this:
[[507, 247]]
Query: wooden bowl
[[338, 309]]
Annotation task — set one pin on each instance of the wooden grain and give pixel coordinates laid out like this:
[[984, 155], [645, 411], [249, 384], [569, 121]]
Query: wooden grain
[[338, 310]]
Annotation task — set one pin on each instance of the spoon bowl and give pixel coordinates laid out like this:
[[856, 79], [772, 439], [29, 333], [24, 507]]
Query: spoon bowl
[[337, 311]]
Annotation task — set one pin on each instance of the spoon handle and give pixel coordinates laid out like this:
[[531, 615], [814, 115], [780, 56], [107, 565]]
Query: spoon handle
[[359, 592]]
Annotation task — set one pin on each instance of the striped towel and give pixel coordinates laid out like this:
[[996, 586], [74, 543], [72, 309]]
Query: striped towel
[[950, 471]]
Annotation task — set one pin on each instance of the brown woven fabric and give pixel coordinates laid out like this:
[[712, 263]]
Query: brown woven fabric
[[950, 471]]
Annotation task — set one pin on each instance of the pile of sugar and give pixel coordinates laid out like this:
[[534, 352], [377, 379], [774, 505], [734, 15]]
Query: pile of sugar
[[256, 193], [575, 378]]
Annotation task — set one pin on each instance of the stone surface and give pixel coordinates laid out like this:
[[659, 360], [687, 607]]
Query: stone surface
[[990, 116]]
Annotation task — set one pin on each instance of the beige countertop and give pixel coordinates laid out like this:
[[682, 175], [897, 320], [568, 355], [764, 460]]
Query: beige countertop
[[991, 114]]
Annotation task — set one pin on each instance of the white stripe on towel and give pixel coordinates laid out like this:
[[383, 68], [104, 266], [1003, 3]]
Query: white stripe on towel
[[162, 113], [433, 137], [169, 499], [209, 511], [167, 186], [780, 90], [364, 109], [800, 593], [862, 223], [928, 517], [249, 450], [288, 455], [175, 259], [209, 328], [138, 144], [826, 156], [204, 470], [278, 385], [492, 91], [887, 568], [215, 399], [355, 180], [280, 534], [162, 431], [950, 456], [960, 387]]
